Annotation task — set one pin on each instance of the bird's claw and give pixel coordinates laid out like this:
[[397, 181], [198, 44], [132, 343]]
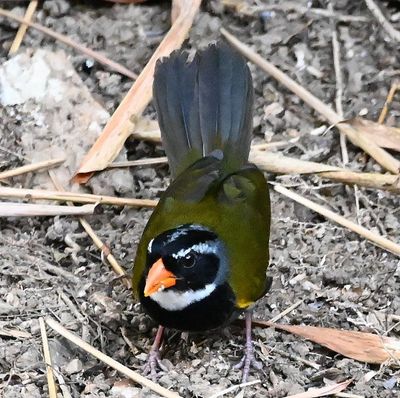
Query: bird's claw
[[248, 360], [153, 364]]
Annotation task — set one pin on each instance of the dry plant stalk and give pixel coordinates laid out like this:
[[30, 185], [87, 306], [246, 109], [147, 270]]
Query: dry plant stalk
[[393, 89], [15, 333], [123, 121], [361, 346], [364, 232], [23, 27], [47, 359], [110, 361], [9, 209], [323, 391], [386, 160], [275, 163], [62, 196], [139, 162], [377, 13], [47, 164], [71, 43], [384, 136], [96, 240]]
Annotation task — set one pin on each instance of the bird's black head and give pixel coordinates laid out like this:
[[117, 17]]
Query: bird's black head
[[184, 264]]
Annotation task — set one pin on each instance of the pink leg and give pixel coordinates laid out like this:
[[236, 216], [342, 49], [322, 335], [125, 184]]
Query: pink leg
[[153, 359], [248, 358]]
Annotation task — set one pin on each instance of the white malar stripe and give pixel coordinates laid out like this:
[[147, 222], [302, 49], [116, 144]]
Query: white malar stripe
[[201, 248], [174, 300]]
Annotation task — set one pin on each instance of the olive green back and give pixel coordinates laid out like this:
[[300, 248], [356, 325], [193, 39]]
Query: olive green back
[[235, 206]]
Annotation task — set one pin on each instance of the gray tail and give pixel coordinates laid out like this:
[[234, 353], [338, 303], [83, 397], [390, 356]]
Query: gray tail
[[204, 105]]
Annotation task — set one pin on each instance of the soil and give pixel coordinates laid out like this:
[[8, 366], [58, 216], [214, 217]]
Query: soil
[[50, 267]]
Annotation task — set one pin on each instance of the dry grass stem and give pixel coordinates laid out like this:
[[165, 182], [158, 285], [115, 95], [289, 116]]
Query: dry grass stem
[[287, 311], [140, 162], [287, 6], [386, 25], [136, 377], [339, 87], [47, 164], [105, 250], [386, 160], [233, 388], [62, 196], [71, 43], [15, 333], [8, 209], [47, 359], [323, 391], [296, 358], [384, 136], [122, 122], [23, 27], [276, 163], [364, 232], [393, 89]]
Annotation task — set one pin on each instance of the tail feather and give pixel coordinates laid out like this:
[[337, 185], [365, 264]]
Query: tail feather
[[204, 105]]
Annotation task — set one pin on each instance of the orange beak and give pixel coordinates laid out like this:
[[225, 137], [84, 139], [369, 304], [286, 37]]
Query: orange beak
[[158, 278]]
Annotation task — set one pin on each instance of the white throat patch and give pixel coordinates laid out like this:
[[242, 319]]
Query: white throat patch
[[173, 300]]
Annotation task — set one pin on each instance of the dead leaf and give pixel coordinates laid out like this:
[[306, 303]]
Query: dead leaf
[[323, 391], [384, 136], [364, 347]]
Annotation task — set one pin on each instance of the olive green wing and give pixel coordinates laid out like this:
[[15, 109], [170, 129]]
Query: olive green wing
[[244, 205]]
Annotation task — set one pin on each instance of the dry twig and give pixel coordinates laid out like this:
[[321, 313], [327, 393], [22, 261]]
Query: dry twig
[[123, 121], [386, 160], [323, 391], [377, 13], [275, 163], [69, 42], [233, 388], [364, 232], [288, 6], [139, 162], [96, 240], [47, 359], [393, 89], [110, 361], [286, 311], [339, 87], [23, 27], [8, 209], [61, 196], [31, 167]]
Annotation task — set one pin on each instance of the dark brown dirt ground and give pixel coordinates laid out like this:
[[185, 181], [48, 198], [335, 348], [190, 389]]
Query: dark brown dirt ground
[[342, 280]]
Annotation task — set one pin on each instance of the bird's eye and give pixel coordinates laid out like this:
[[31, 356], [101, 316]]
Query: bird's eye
[[188, 261]]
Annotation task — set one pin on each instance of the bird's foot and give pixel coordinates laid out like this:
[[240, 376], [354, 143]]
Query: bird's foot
[[248, 360], [153, 363]]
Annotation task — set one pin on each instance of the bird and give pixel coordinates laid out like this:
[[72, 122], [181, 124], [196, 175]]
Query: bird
[[203, 256]]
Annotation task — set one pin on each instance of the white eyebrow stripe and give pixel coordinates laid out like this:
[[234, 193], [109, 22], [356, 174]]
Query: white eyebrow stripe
[[201, 248], [150, 245], [173, 300]]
